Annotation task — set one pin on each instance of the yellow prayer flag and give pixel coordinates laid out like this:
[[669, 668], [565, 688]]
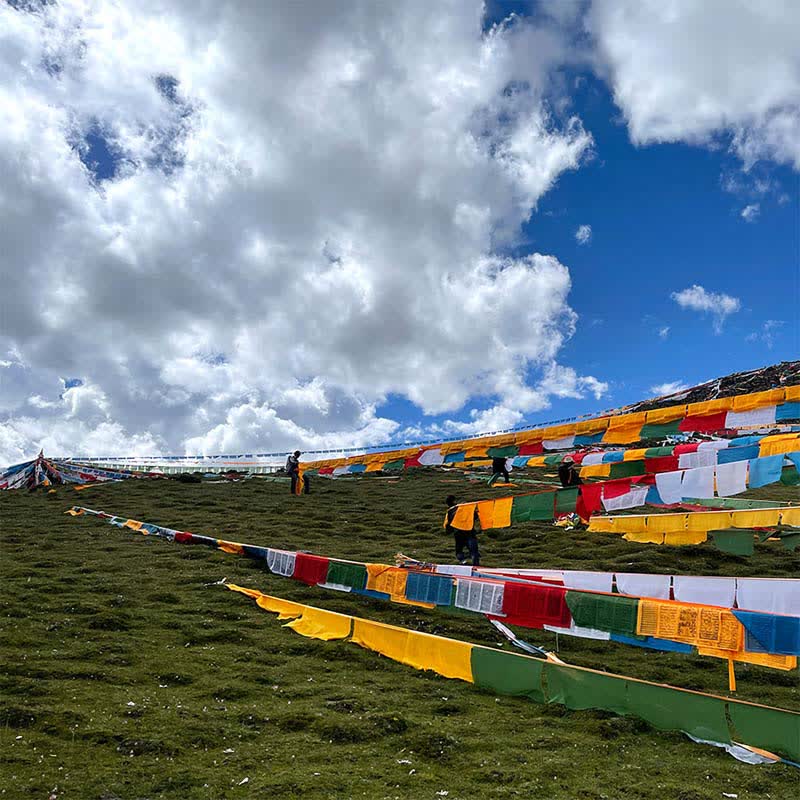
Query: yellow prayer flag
[[630, 523], [747, 402], [603, 524], [623, 435], [645, 537], [708, 520], [680, 538], [133, 524], [775, 445], [791, 393], [284, 608], [659, 416], [447, 657], [317, 623], [628, 420], [589, 426], [559, 431], [756, 518], [243, 590], [485, 511], [526, 437], [666, 523], [476, 452], [375, 575], [761, 659], [451, 447], [502, 512], [790, 516], [388, 640], [595, 471], [636, 454], [689, 623], [464, 518], [707, 407]]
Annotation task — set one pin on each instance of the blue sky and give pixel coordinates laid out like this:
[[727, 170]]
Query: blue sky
[[664, 217], [249, 229]]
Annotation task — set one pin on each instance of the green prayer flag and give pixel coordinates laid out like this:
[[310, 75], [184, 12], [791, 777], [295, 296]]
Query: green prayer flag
[[789, 540], [527, 507], [626, 469], [604, 612], [553, 460], [577, 689], [733, 541], [736, 503], [658, 452], [660, 430], [700, 715], [353, 575], [503, 452], [566, 500], [507, 673], [771, 729], [790, 476], [393, 466]]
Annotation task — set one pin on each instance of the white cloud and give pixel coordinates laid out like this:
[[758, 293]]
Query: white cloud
[[767, 333], [557, 381], [305, 221], [750, 213], [663, 332], [720, 305], [584, 234], [692, 72], [668, 388]]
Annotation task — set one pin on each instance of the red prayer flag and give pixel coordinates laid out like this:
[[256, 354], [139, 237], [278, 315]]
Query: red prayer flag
[[661, 464], [680, 449], [704, 424], [532, 449], [616, 488], [310, 569], [413, 461], [589, 500], [531, 606]]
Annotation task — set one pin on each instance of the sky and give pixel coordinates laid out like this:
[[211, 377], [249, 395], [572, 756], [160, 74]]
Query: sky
[[252, 227]]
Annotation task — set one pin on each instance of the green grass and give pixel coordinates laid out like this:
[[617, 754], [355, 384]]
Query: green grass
[[127, 674]]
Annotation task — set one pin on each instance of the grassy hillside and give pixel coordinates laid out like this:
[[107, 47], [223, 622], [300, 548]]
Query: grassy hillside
[[126, 673]]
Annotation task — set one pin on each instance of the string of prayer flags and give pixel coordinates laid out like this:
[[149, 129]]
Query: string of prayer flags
[[573, 602], [702, 716], [759, 409]]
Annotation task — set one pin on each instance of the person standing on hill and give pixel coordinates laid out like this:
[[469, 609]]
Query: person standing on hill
[[499, 470], [463, 539], [293, 471], [568, 473]]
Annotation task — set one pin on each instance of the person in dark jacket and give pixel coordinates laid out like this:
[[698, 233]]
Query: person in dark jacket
[[463, 539], [293, 471], [499, 470], [568, 473]]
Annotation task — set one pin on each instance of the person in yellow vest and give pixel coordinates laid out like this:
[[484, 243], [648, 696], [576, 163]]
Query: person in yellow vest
[[463, 539]]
